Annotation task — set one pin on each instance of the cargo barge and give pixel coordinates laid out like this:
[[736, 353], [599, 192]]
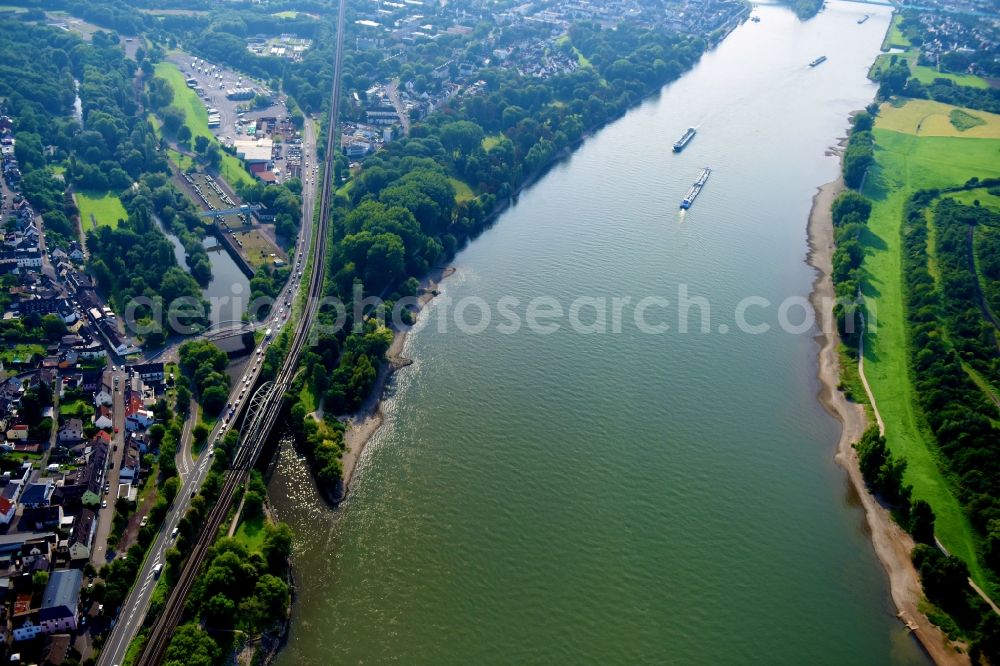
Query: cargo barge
[[695, 190], [685, 139]]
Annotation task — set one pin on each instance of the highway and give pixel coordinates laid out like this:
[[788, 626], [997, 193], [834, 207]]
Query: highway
[[256, 427], [193, 473]]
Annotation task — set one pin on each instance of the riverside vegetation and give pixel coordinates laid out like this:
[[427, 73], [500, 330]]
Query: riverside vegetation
[[935, 372]]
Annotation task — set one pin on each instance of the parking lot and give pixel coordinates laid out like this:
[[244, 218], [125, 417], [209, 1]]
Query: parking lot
[[214, 80]]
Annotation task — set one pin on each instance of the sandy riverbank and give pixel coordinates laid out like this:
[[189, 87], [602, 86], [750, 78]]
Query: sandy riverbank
[[366, 421], [891, 543]]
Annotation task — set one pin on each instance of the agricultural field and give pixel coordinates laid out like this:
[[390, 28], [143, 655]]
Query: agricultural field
[[99, 209], [917, 147], [934, 119]]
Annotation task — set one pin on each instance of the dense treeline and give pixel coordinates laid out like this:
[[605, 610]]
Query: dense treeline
[[850, 213], [883, 472], [237, 589], [896, 79], [956, 409], [945, 582], [860, 152], [850, 216], [206, 364], [112, 149], [284, 201], [970, 331], [36, 82], [987, 241], [949, 92]]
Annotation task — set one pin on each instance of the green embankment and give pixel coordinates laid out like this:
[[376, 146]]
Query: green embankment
[[105, 208], [895, 38], [250, 532], [906, 161], [925, 74], [196, 119]]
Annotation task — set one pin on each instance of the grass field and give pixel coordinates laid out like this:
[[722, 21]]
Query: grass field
[[80, 409], [105, 207], [933, 119], [196, 118], [250, 532], [894, 38], [908, 160], [925, 74], [970, 197], [291, 14], [462, 191], [183, 162]]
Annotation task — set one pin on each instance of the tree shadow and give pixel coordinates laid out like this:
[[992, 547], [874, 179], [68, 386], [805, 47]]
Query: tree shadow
[[876, 184], [868, 288], [869, 239]]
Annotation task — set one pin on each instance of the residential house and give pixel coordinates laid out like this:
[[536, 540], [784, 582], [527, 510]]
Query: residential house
[[60, 601], [7, 510], [71, 431], [37, 495], [27, 631], [102, 419], [139, 420], [151, 373], [41, 518], [90, 381], [104, 396], [83, 536], [18, 433], [55, 649]]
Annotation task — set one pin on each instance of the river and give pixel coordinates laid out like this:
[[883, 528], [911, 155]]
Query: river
[[625, 497], [228, 291]]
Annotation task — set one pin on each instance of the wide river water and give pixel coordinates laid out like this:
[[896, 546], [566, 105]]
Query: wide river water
[[623, 497]]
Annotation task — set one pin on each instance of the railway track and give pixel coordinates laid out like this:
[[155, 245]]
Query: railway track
[[259, 425]]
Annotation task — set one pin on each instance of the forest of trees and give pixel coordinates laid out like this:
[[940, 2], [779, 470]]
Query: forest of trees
[[805, 9], [206, 364]]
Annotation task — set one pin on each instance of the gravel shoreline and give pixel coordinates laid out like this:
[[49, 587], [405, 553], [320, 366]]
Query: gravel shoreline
[[891, 543]]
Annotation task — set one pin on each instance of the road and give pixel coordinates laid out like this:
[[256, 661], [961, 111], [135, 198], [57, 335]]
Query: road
[[259, 420], [133, 612], [404, 118], [105, 515]]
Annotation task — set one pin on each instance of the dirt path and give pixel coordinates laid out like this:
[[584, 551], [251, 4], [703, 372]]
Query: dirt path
[[891, 543]]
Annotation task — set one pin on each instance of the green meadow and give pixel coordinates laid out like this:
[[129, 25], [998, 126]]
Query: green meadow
[[105, 208], [908, 160]]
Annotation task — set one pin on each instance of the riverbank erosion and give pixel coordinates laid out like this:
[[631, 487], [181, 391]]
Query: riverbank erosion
[[891, 543], [363, 424]]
